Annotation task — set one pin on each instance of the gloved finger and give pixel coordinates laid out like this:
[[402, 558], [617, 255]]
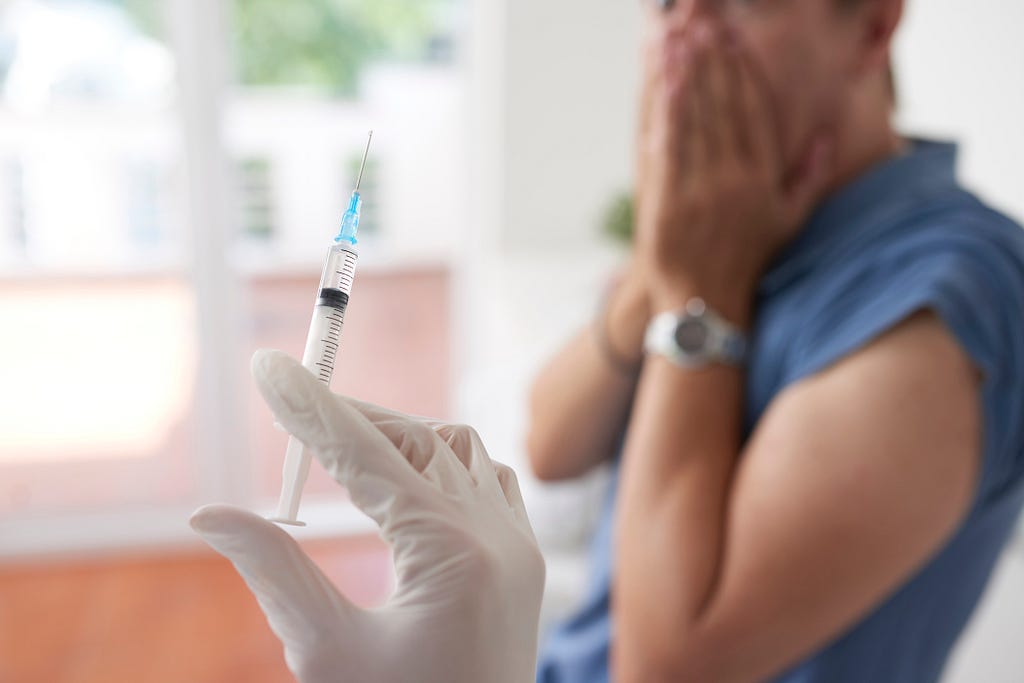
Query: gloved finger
[[463, 440], [346, 443], [418, 441], [298, 600], [468, 447], [509, 483]]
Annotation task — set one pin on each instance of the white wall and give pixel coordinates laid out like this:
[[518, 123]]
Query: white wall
[[570, 82], [960, 67]]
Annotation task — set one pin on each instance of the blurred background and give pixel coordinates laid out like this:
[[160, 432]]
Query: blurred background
[[171, 172]]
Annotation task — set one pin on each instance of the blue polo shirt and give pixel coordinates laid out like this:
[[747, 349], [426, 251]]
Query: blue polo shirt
[[902, 238]]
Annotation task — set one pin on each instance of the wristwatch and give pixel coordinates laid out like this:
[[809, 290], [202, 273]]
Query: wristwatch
[[695, 336]]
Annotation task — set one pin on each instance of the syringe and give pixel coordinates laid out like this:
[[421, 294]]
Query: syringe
[[323, 341]]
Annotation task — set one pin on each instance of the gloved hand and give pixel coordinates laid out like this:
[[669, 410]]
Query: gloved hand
[[469, 573]]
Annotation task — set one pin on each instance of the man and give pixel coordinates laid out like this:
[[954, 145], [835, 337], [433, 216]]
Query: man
[[818, 351]]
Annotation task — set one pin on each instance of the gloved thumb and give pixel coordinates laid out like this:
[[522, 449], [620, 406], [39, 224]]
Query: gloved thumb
[[293, 593], [347, 444]]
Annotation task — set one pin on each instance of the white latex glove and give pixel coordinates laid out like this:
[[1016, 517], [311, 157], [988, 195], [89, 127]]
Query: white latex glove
[[469, 573]]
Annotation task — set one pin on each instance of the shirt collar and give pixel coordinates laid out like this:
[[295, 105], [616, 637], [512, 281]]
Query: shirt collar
[[927, 168]]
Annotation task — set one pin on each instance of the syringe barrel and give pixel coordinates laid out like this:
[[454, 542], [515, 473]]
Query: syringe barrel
[[339, 268], [322, 345], [324, 337]]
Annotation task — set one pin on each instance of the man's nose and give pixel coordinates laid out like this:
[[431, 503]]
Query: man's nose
[[683, 16]]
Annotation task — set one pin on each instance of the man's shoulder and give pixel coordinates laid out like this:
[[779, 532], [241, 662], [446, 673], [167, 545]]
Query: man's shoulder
[[930, 235], [958, 257], [952, 220]]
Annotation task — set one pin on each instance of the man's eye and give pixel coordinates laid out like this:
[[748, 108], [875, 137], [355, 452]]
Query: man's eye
[[667, 5]]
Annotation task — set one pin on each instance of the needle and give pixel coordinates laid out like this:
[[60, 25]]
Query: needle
[[363, 164]]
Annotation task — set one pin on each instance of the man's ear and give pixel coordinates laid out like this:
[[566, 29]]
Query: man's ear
[[878, 20]]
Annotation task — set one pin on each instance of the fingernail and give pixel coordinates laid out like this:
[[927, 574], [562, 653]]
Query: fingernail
[[207, 519], [270, 367], [681, 52], [824, 150], [730, 38], [821, 155], [263, 361], [705, 35], [292, 393], [198, 520]]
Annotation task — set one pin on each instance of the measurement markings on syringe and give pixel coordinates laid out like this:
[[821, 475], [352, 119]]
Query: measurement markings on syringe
[[325, 372], [345, 277], [330, 341]]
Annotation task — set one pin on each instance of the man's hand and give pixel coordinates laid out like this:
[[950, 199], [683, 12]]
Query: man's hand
[[469, 574], [715, 200]]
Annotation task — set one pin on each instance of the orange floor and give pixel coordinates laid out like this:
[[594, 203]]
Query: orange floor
[[185, 618]]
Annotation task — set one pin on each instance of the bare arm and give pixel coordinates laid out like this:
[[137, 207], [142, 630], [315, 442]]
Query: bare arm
[[731, 568], [579, 402]]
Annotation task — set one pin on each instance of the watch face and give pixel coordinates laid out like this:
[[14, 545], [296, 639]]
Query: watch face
[[691, 336]]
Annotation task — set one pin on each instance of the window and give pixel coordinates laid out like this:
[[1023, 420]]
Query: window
[[256, 196], [128, 324], [13, 203], [100, 336]]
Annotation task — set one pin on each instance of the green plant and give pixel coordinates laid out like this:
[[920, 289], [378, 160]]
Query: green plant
[[618, 218], [325, 43], [320, 44]]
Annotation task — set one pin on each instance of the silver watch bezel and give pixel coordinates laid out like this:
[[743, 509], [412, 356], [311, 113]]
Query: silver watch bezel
[[723, 343]]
